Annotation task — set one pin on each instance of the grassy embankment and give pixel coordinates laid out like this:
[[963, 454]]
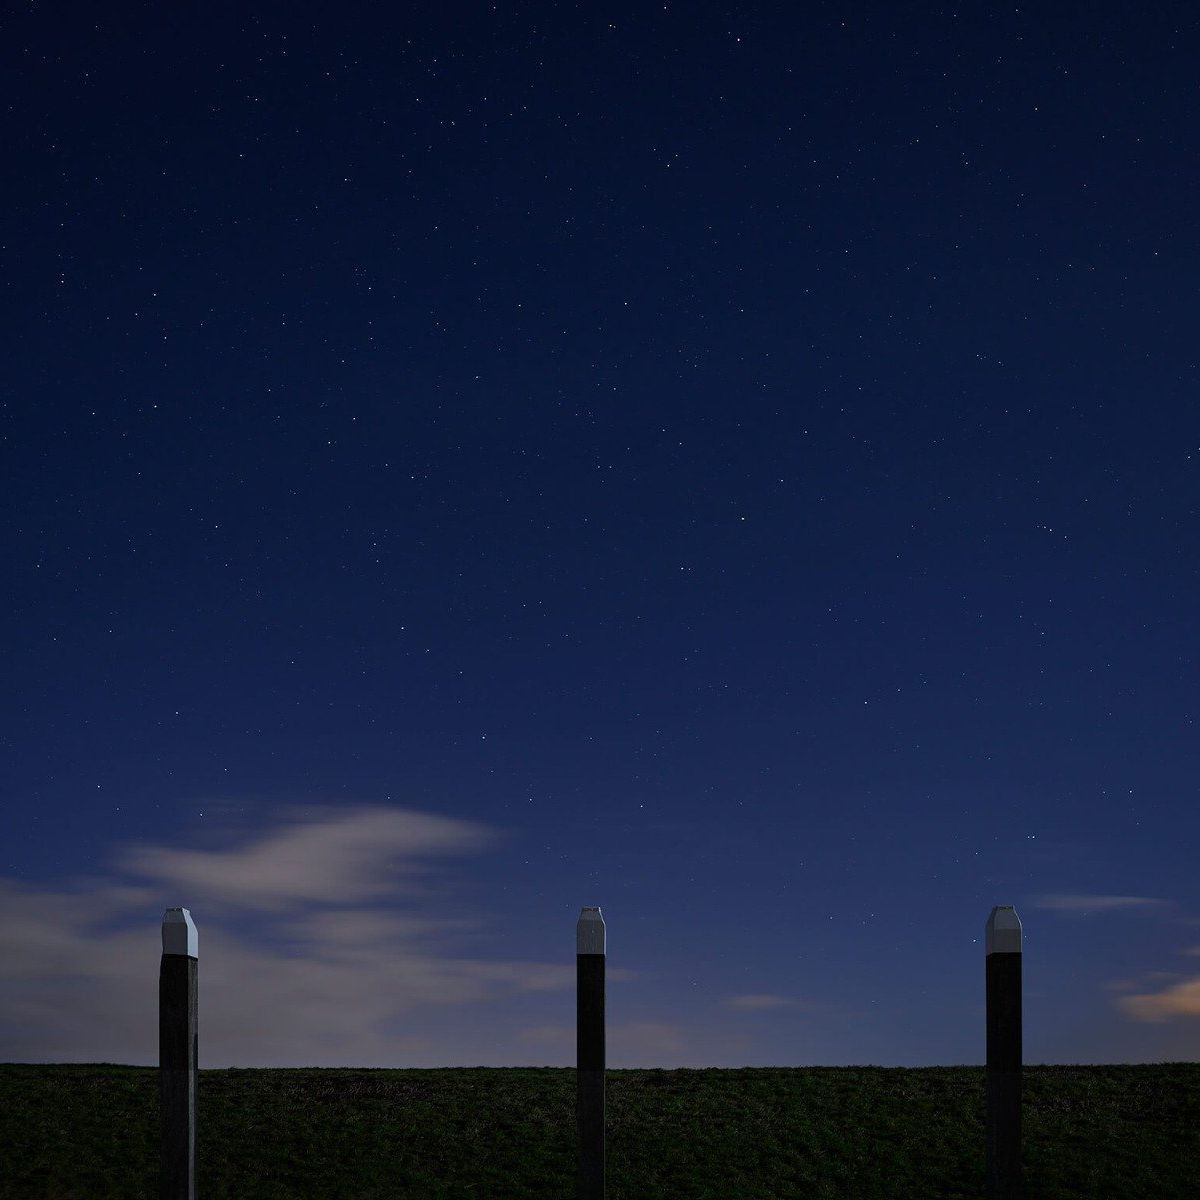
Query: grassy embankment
[[90, 1132]]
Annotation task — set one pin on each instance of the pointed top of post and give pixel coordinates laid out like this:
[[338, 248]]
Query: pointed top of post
[[1004, 930], [589, 932], [179, 933]]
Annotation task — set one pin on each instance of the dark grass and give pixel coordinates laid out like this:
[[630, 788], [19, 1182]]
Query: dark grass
[[84, 1132]]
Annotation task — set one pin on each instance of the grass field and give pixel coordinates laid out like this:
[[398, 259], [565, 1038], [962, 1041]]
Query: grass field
[[90, 1132]]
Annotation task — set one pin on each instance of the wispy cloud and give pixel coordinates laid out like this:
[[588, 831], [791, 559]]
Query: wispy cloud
[[1084, 904], [1178, 1000], [300, 956], [335, 936]]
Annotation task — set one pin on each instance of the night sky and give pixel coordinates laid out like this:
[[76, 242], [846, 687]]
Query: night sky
[[734, 466]]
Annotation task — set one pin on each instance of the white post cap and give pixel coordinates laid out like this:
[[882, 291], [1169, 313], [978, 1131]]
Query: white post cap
[[589, 932], [1004, 930], [179, 933]]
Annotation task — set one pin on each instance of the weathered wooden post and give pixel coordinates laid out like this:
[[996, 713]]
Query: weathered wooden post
[[589, 1052], [177, 1046], [1004, 1178]]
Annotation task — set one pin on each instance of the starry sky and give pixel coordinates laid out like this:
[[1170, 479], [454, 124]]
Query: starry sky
[[733, 465]]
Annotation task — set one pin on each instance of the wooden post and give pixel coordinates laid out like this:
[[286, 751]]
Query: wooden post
[[589, 1051], [177, 1046], [1004, 1177]]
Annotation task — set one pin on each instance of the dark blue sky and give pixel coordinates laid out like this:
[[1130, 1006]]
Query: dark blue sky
[[737, 467]]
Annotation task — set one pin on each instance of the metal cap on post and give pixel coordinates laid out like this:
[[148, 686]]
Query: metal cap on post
[[179, 934], [177, 1055], [590, 943], [1003, 1075], [590, 932], [1003, 930]]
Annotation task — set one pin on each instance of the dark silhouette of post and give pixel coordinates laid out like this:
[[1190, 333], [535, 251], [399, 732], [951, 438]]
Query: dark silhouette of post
[[589, 1052], [1004, 1178], [177, 1047]]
